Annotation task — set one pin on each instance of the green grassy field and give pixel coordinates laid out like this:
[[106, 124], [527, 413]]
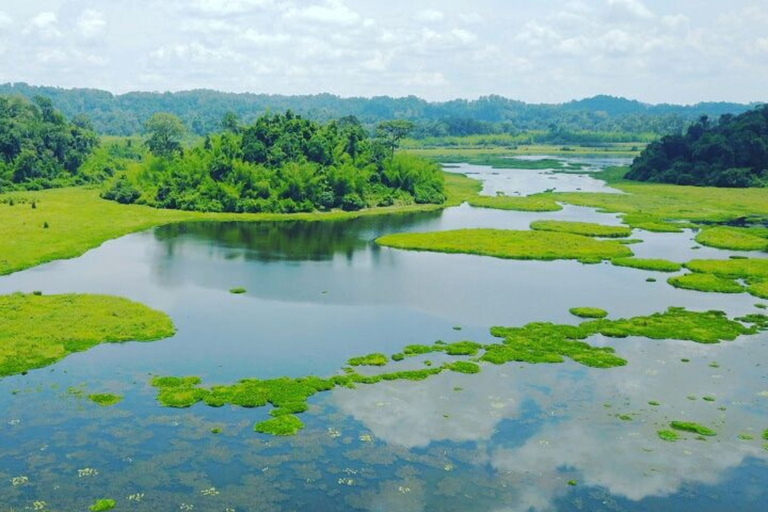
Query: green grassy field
[[581, 228], [737, 239], [534, 203], [38, 330], [77, 220], [523, 245]]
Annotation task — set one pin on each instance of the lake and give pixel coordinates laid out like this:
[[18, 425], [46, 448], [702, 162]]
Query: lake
[[513, 437]]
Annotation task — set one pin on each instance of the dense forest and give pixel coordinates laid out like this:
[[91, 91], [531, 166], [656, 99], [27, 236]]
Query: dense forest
[[282, 163], [40, 148], [732, 152], [202, 110]]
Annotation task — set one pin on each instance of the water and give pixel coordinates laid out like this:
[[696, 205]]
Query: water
[[509, 438]]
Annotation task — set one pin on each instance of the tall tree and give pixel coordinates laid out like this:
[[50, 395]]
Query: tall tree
[[392, 132], [165, 134]]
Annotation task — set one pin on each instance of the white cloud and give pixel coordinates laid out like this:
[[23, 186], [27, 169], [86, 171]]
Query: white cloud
[[429, 16], [91, 23], [5, 21], [45, 25], [225, 7], [465, 36], [330, 11], [629, 9]]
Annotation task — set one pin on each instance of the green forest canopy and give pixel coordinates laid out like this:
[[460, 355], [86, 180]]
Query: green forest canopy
[[282, 163], [202, 111], [730, 153], [39, 147]]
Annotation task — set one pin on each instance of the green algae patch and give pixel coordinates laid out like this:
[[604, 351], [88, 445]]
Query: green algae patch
[[464, 367], [706, 283], [237, 291], [657, 265], [758, 289], [534, 203], [105, 399], [749, 268], [285, 425], [581, 228], [765, 434], [39, 330], [588, 312], [103, 505], [689, 426], [737, 239], [668, 435], [499, 243], [375, 359]]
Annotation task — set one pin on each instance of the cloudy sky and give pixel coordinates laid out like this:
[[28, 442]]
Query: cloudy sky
[[538, 51]]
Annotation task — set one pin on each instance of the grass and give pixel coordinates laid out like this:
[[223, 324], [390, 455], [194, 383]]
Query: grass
[[588, 312], [737, 239], [84, 221], [668, 435], [287, 425], [657, 265], [464, 367], [689, 426], [581, 228], [706, 283], [533, 203], [376, 359], [39, 330], [103, 505], [238, 291], [105, 399], [524, 245]]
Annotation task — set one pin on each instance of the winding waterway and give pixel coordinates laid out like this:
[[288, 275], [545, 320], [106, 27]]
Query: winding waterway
[[513, 437]]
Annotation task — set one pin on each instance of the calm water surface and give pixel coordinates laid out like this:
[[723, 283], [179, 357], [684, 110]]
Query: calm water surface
[[509, 438]]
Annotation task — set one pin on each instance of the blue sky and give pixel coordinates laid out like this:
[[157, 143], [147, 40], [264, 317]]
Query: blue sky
[[657, 51]]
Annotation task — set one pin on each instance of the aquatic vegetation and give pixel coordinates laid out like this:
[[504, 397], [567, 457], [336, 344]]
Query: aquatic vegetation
[[533, 203], [758, 289], [738, 239], [525, 245], [581, 228], [588, 312], [654, 403], [746, 437], [668, 435], [749, 268], [103, 505], [765, 434], [462, 348], [105, 399], [464, 367], [37, 331], [689, 426], [706, 283], [398, 357], [376, 359], [284, 425], [572, 482], [657, 265], [708, 398], [237, 291]]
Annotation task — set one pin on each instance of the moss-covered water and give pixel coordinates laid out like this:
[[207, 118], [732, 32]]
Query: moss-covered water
[[511, 436]]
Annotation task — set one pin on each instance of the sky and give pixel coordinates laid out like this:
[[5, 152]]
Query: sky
[[545, 51]]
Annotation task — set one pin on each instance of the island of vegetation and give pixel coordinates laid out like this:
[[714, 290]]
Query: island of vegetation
[[726, 276], [282, 163], [533, 343], [730, 153], [38, 330]]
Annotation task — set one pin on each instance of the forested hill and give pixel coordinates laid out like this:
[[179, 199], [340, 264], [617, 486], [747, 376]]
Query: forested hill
[[730, 153], [202, 111]]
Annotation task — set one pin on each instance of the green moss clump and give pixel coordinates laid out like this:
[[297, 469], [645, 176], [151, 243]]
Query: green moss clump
[[462, 348], [581, 228], [761, 306], [284, 425], [758, 288], [765, 434], [588, 312], [689, 426], [523, 245], [708, 398], [737, 239], [534, 203], [654, 403], [464, 367], [105, 399], [746, 437], [103, 505], [706, 283], [37, 331], [668, 435], [376, 359], [237, 291], [657, 265], [216, 430], [398, 357], [415, 350]]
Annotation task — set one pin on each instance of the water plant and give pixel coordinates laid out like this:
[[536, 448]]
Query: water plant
[[668, 435], [657, 265], [464, 367], [105, 399], [38, 330], [102, 505], [689, 426], [534, 203], [587, 312], [581, 228], [734, 238], [376, 359], [285, 425], [237, 291], [706, 283], [524, 245]]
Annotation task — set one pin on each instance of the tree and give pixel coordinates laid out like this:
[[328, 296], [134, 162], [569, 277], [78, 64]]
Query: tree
[[392, 132], [165, 133]]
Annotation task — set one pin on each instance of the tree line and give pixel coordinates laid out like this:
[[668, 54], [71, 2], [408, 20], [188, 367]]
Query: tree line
[[732, 152]]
